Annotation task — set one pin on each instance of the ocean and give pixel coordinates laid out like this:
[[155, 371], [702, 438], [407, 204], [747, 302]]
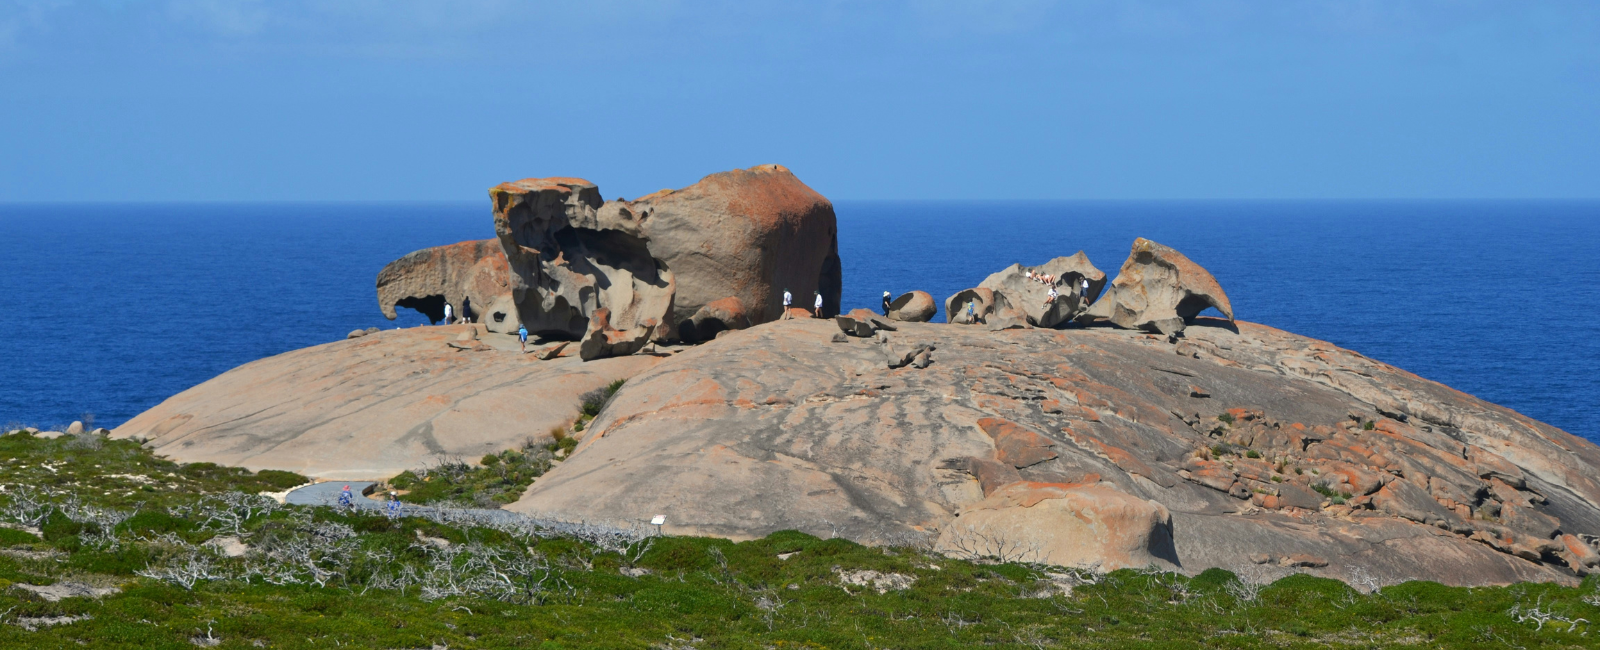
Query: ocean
[[107, 309]]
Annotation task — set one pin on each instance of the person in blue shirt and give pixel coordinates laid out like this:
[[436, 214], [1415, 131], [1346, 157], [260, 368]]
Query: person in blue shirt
[[522, 335]]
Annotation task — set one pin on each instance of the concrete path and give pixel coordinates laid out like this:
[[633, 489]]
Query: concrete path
[[327, 494]]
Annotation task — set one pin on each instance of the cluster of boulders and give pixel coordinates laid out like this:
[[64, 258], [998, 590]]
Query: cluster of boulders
[[1157, 290], [676, 265]]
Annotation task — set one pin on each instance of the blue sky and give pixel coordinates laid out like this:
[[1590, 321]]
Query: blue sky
[[161, 100]]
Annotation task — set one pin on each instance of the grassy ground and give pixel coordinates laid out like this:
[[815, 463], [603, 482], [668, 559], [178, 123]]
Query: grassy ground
[[109, 515]]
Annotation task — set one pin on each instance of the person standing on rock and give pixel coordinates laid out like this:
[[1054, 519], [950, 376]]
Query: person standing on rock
[[1085, 294], [522, 335], [448, 314], [885, 303], [817, 310], [787, 300]]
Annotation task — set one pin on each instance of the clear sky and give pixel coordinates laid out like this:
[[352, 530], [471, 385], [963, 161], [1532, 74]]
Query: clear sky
[[969, 99]]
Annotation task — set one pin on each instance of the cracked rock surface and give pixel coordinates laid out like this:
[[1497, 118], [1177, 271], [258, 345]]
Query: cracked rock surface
[[1091, 446]]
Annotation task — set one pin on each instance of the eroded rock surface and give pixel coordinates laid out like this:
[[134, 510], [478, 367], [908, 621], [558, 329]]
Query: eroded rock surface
[[1091, 446], [1158, 290], [1031, 296], [372, 407], [470, 276]]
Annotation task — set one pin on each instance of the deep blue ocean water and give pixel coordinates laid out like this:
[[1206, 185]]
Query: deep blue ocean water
[[108, 309]]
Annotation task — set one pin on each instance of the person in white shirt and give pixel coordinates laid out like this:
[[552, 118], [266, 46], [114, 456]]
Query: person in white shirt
[[448, 314], [787, 300], [1085, 294], [1051, 297], [818, 310]]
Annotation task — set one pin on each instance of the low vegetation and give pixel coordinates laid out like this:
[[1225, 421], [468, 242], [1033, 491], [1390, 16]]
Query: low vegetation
[[200, 560]]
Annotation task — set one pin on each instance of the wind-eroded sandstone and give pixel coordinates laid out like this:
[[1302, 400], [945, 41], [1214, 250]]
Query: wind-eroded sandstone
[[1090, 446], [374, 406]]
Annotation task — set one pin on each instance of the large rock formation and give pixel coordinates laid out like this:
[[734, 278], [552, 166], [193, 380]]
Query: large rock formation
[[471, 276], [1158, 290], [1239, 445], [1031, 296], [571, 253], [746, 234], [374, 406]]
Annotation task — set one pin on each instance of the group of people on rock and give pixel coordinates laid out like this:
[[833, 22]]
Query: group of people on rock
[[788, 301], [1052, 281]]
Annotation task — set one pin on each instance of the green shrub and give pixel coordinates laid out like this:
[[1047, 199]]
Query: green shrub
[[13, 537], [155, 522], [279, 480], [1226, 417], [1252, 454], [1369, 425]]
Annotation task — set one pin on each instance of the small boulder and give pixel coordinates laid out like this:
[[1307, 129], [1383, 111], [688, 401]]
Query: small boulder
[[903, 358], [553, 351], [356, 334], [1158, 290], [853, 327], [839, 337], [76, 428], [913, 307]]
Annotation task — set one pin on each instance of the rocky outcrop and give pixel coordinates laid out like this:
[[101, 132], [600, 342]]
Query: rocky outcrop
[[470, 276], [1091, 446], [746, 234], [372, 407], [913, 307], [603, 341], [1029, 295], [570, 253], [1158, 290]]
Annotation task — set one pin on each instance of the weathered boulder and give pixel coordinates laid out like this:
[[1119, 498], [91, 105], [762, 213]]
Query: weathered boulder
[[715, 317], [469, 276], [603, 341], [746, 234], [372, 407], [1158, 290], [1031, 297], [913, 307], [1069, 445]]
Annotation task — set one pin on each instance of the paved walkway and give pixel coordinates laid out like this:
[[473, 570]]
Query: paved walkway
[[327, 494]]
